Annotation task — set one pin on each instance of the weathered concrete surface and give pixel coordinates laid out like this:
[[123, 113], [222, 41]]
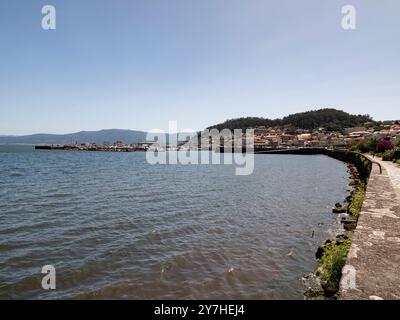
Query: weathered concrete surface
[[394, 174], [372, 269]]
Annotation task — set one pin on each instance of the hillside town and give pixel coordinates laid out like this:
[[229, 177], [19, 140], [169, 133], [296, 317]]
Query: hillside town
[[287, 137], [275, 137]]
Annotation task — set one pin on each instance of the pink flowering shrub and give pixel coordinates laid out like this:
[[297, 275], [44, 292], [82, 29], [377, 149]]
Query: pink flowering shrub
[[384, 145]]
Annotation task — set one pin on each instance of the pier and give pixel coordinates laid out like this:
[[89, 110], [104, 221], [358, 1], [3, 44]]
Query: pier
[[116, 147]]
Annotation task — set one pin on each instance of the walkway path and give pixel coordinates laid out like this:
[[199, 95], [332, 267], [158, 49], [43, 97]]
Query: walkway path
[[372, 269], [393, 171]]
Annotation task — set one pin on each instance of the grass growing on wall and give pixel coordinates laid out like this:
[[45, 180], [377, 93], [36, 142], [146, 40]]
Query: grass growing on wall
[[331, 265], [357, 201], [335, 253]]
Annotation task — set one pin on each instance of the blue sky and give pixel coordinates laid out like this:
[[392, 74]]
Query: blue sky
[[138, 64]]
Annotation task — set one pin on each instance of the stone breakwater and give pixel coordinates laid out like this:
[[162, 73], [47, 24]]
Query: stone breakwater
[[373, 264]]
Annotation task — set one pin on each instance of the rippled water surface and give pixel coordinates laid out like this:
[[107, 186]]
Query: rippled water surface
[[116, 227]]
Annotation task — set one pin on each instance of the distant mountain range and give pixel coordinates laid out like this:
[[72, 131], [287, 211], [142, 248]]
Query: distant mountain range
[[99, 137], [330, 119]]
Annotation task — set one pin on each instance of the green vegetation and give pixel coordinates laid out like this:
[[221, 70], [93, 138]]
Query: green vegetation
[[396, 154], [333, 254], [391, 155], [365, 146], [330, 119], [387, 155], [315, 293], [331, 265], [384, 148], [373, 143], [357, 201], [364, 168]]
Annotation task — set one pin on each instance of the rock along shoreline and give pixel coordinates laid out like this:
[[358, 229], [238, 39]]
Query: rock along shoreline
[[332, 254]]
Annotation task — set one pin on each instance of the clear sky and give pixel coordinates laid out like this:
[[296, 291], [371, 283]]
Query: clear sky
[[137, 64]]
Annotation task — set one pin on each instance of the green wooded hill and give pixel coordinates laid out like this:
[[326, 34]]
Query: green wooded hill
[[330, 119]]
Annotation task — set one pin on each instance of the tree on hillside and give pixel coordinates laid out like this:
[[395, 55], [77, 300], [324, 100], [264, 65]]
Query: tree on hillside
[[330, 119]]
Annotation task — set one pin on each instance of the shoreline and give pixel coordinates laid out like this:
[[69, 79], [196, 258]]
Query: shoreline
[[333, 253]]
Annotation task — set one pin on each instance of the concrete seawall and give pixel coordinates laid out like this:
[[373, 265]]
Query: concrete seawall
[[372, 269]]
